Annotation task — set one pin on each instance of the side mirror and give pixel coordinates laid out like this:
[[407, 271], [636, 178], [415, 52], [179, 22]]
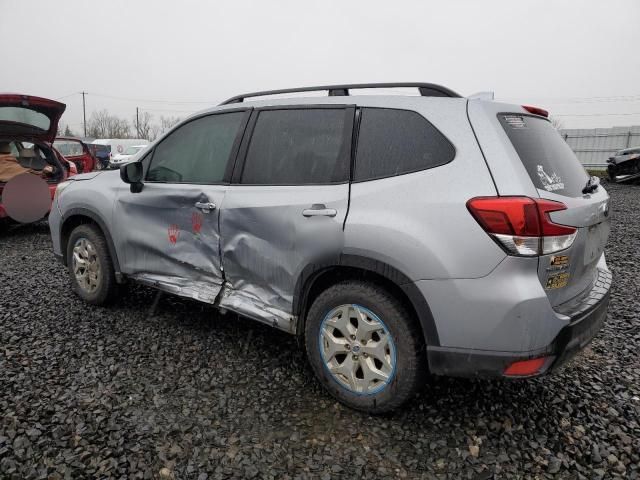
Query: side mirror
[[132, 173]]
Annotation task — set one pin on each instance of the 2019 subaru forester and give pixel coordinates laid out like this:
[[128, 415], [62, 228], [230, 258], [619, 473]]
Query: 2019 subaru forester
[[398, 235]]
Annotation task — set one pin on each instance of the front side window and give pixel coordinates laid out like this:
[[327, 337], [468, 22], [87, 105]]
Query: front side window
[[394, 142], [298, 147], [197, 152]]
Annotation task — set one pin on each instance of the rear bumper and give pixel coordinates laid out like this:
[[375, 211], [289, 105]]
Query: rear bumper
[[582, 327]]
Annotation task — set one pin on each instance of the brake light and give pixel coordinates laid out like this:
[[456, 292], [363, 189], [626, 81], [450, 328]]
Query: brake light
[[521, 225], [536, 110]]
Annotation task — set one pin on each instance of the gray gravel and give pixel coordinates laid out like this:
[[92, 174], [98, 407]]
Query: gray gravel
[[180, 392]]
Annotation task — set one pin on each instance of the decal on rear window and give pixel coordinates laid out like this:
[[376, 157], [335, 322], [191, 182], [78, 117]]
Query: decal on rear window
[[515, 121], [550, 182]]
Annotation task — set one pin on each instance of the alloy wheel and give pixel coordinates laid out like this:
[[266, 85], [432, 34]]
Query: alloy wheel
[[86, 265], [357, 349]]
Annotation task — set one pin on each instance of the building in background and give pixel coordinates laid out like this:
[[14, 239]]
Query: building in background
[[594, 146]]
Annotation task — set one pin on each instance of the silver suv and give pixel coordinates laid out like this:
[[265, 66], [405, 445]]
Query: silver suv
[[398, 235]]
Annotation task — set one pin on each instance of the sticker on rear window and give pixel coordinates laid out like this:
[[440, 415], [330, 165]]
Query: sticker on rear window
[[550, 182], [515, 121]]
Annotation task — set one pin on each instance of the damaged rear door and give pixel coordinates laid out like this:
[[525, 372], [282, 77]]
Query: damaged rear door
[[169, 233], [286, 206]]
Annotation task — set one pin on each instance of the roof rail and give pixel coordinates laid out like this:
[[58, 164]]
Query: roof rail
[[426, 90]]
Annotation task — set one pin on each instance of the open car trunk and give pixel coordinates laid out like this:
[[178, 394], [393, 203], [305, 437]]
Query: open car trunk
[[29, 117]]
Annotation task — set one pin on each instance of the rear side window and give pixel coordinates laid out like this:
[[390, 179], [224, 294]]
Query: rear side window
[[394, 142], [549, 161], [197, 152], [298, 147]]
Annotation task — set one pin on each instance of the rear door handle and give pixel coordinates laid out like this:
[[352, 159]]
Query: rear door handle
[[205, 207], [319, 210]]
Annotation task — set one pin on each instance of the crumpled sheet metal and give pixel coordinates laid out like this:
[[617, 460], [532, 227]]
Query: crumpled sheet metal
[[251, 267], [246, 303], [198, 290], [265, 249]]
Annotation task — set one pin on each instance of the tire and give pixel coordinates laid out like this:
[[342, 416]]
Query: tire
[[99, 286], [405, 350]]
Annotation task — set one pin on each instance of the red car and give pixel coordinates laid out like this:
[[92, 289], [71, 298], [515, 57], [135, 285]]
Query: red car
[[28, 125], [76, 151]]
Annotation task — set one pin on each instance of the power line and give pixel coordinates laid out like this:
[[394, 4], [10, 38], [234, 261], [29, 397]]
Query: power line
[[142, 100], [67, 96], [592, 114]]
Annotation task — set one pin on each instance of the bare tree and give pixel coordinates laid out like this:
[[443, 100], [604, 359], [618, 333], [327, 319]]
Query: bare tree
[[166, 123], [144, 126], [556, 122], [104, 125]]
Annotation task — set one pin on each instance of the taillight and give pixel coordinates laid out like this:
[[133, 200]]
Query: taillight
[[521, 225], [536, 110]]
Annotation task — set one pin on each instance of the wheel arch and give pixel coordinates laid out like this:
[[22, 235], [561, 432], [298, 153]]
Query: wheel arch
[[318, 276], [81, 216]]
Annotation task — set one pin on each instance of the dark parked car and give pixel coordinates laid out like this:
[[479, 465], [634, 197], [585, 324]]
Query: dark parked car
[[102, 154], [624, 166]]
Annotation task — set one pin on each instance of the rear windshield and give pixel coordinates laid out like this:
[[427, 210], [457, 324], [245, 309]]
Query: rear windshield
[[68, 148], [25, 116], [550, 162]]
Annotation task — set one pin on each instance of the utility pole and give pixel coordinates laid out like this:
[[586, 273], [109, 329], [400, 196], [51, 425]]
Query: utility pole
[[84, 114], [137, 124]]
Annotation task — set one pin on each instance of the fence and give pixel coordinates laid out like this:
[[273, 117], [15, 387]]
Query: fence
[[593, 146]]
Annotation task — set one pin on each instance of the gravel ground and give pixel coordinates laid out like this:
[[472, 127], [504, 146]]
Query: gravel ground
[[160, 387]]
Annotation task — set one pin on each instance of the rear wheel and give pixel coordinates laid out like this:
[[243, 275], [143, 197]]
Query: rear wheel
[[90, 265], [364, 347]]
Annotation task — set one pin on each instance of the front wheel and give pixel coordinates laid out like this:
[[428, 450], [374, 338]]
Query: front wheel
[[364, 347], [90, 266]]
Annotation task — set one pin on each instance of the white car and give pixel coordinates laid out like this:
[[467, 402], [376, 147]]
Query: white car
[[130, 153]]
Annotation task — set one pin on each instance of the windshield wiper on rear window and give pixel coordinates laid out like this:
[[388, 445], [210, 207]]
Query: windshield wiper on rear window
[[592, 185]]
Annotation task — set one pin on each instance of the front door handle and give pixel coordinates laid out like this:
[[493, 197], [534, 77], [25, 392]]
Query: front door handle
[[319, 210], [205, 206]]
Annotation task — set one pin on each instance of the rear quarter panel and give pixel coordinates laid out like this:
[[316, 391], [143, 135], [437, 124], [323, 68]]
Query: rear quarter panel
[[419, 222]]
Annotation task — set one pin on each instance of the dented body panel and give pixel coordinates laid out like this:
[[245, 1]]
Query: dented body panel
[[268, 241], [163, 237]]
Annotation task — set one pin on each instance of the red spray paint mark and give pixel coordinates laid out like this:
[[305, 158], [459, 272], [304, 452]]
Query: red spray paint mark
[[196, 222], [174, 233]]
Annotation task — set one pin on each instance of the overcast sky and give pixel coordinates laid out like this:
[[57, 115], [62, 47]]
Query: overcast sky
[[577, 58]]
